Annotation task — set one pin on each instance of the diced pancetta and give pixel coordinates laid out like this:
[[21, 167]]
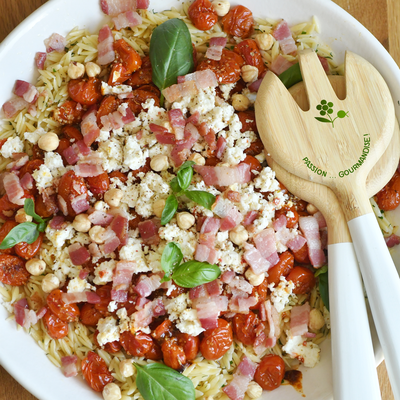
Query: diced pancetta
[[181, 150], [55, 42], [20, 160], [144, 317], [224, 176], [221, 146], [100, 218], [299, 319], [214, 51], [392, 240], [120, 226], [142, 4], [228, 276], [179, 90], [81, 297], [280, 65], [19, 311], [13, 106], [320, 219], [79, 203], [13, 189], [310, 228], [254, 258], [178, 122], [274, 330], [40, 59], [105, 48], [127, 19], [208, 310], [89, 127], [194, 118], [78, 254], [266, 244], [148, 231], [111, 244], [88, 170], [147, 285], [230, 215], [26, 90], [162, 134], [324, 63], [208, 135], [250, 217], [117, 119], [68, 366], [57, 222], [241, 284], [122, 279], [115, 7], [205, 254], [283, 35], [296, 243], [202, 79]]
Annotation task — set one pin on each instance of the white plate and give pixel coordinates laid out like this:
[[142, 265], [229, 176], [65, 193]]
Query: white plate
[[18, 352]]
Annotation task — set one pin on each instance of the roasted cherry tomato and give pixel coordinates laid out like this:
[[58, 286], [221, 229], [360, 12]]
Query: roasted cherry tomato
[[154, 353], [248, 120], [127, 56], [389, 197], [227, 69], [292, 216], [95, 371], [190, 345], [212, 161], [303, 280], [260, 292], [238, 22], [104, 291], [56, 328], [136, 345], [136, 220], [108, 105], [72, 133], [69, 113], [270, 372], [70, 187], [85, 91], [46, 208], [283, 268], [99, 184], [254, 164], [216, 342], [163, 331], [37, 153], [143, 76], [173, 354], [31, 166], [301, 255], [66, 312], [4, 231], [255, 148], [120, 175], [140, 96], [90, 315], [7, 208], [202, 14], [244, 327], [13, 271], [176, 291], [28, 251], [62, 146], [248, 49], [110, 347]]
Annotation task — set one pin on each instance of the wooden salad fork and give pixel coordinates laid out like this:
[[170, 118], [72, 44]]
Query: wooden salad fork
[[336, 143], [350, 359]]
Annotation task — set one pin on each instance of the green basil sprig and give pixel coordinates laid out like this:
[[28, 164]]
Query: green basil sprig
[[322, 274], [185, 174], [171, 205], [171, 53], [159, 382], [171, 257], [194, 273], [291, 76], [205, 199]]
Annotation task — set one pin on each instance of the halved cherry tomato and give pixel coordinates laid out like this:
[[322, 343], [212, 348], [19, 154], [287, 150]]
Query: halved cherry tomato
[[190, 345], [120, 175], [90, 315], [260, 292], [254, 164], [66, 312], [301, 255], [56, 328], [202, 14], [283, 268], [72, 132], [238, 22], [248, 120], [110, 347], [163, 331], [99, 184], [104, 292], [248, 49], [108, 105], [140, 96], [30, 167], [69, 113], [176, 291], [28, 251], [48, 208], [13, 271], [63, 145], [141, 77], [302, 278], [216, 342], [7, 208], [244, 327], [146, 168], [4, 231], [173, 354], [95, 371], [212, 161], [389, 197], [136, 220], [270, 372], [85, 91], [291, 221], [136, 345], [70, 187], [154, 353]]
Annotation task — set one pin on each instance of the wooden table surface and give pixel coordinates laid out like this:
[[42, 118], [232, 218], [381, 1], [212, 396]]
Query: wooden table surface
[[381, 17]]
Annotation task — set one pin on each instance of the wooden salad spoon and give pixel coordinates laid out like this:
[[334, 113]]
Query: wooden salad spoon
[[339, 150], [350, 359]]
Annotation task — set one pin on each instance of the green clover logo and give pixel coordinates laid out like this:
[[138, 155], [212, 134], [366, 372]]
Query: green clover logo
[[326, 109]]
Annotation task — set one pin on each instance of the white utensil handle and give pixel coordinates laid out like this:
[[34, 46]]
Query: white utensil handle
[[382, 283], [354, 369]]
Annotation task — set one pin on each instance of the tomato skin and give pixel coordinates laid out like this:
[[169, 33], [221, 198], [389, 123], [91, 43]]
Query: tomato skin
[[104, 292], [63, 145], [227, 69], [238, 22], [127, 56], [85, 91], [66, 312], [56, 328], [190, 345], [244, 327], [108, 105], [260, 292], [270, 372], [28, 251], [254, 164], [95, 371], [248, 120], [301, 255], [68, 113], [71, 186], [202, 14], [283, 268], [140, 96], [99, 184], [136, 345], [48, 209], [4, 231], [110, 347], [154, 353], [13, 271], [30, 167], [291, 222], [173, 354], [389, 197], [72, 133], [303, 280], [163, 331], [178, 290], [90, 315], [143, 76], [216, 342], [248, 49], [120, 175]]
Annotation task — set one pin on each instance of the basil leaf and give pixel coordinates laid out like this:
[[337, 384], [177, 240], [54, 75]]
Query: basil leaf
[[170, 208], [194, 273], [205, 199], [321, 270], [25, 232], [174, 184], [29, 207], [171, 53], [42, 226], [324, 288], [291, 76], [170, 259], [159, 382], [185, 174]]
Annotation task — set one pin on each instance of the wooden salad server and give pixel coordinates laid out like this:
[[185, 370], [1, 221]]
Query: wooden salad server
[[336, 143], [350, 358]]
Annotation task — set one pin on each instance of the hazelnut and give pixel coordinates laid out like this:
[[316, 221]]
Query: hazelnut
[[185, 220], [197, 158], [158, 207], [264, 41], [82, 223], [111, 392], [92, 69], [311, 209], [221, 7], [240, 102], [101, 206], [254, 390], [96, 234], [238, 235], [49, 141], [21, 216], [49, 283], [249, 73], [317, 320], [76, 70], [35, 266], [255, 280], [126, 368], [113, 197], [159, 163]]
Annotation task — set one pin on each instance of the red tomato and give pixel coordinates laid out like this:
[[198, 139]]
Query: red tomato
[[56, 328], [72, 133], [99, 184], [238, 22], [163, 331], [301, 255], [178, 290], [248, 120], [216, 342], [146, 168], [270, 372], [110, 347], [46, 210], [95, 371], [120, 175], [254, 164], [140, 96], [141, 77], [212, 161], [13, 271], [66, 312], [303, 280], [4, 230], [68, 113], [291, 221], [255, 148], [260, 292], [202, 14], [7, 208], [248, 49], [173, 354], [244, 327], [37, 153], [90, 315], [30, 167], [136, 345], [190, 345], [70, 187], [28, 251], [154, 353], [108, 105], [63, 145], [127, 56], [85, 91], [104, 292], [389, 197], [283, 268]]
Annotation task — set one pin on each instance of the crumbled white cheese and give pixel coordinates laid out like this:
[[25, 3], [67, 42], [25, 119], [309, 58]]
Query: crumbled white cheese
[[81, 238], [265, 181], [118, 89], [124, 320], [134, 156], [104, 272], [78, 285], [280, 295], [308, 353], [175, 306], [111, 153], [34, 136], [108, 330], [112, 306], [12, 145], [189, 322], [59, 236], [132, 251], [43, 177], [230, 258], [226, 89], [233, 155], [54, 163]]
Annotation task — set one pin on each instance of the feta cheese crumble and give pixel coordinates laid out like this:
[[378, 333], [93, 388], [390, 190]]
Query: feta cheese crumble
[[308, 353], [280, 295], [12, 145]]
